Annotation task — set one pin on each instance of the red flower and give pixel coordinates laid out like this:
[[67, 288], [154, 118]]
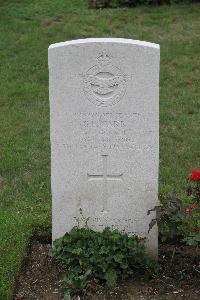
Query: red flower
[[187, 210], [195, 176], [194, 205]]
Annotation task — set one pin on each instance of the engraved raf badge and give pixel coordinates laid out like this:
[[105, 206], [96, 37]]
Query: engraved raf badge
[[104, 84]]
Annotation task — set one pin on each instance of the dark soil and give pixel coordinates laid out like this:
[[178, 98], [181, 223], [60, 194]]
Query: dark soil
[[179, 278]]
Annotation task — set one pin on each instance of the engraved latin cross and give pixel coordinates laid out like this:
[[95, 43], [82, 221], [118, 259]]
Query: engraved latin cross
[[105, 177]]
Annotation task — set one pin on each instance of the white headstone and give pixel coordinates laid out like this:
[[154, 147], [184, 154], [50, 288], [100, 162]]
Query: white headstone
[[104, 103]]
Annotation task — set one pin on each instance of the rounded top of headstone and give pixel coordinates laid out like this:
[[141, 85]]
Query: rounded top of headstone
[[105, 40]]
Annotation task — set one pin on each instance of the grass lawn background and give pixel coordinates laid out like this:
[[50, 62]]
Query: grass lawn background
[[27, 28]]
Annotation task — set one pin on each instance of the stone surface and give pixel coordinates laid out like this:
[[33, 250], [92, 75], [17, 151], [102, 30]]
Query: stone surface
[[104, 106]]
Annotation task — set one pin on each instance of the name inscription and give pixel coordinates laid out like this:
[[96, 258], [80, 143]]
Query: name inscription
[[104, 130]]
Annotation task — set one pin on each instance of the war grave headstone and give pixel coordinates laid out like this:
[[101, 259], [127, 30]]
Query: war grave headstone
[[104, 114]]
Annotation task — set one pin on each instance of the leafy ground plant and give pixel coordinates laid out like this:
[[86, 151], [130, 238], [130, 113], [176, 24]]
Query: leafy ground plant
[[106, 256]]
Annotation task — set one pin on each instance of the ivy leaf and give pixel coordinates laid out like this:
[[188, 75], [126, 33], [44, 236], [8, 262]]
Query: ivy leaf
[[118, 258], [77, 251], [67, 295], [111, 277]]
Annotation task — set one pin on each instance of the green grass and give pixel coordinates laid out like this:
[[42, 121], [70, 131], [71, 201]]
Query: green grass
[[26, 30]]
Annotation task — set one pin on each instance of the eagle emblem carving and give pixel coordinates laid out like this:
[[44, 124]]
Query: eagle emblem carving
[[104, 84]]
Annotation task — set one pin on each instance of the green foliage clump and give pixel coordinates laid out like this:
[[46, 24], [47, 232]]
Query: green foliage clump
[[130, 3], [106, 256]]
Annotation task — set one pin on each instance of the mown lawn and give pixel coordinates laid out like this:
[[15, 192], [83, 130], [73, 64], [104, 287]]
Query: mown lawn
[[26, 30]]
